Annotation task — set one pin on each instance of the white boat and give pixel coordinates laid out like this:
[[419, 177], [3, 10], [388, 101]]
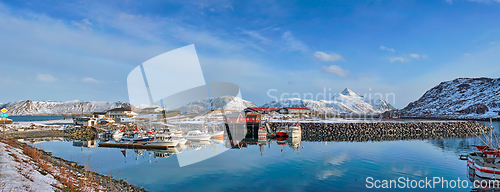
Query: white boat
[[197, 135], [163, 140], [117, 134], [175, 134], [294, 131]]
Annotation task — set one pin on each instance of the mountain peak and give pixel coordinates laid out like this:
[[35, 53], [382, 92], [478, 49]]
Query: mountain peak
[[348, 92]]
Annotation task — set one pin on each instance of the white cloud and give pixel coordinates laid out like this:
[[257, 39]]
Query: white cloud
[[257, 36], [45, 78], [334, 69], [328, 57], [417, 56], [387, 49], [466, 54], [402, 59], [90, 80], [449, 1], [293, 43], [84, 24]]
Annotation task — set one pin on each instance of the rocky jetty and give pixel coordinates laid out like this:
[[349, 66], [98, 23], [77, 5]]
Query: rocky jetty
[[384, 131], [80, 133]]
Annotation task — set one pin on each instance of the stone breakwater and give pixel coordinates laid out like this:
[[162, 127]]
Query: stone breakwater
[[386, 131]]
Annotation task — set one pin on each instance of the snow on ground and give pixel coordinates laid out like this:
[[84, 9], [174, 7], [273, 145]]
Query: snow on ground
[[218, 117], [40, 125], [21, 173]]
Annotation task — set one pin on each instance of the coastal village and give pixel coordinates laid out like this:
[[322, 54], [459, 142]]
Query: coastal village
[[163, 133]]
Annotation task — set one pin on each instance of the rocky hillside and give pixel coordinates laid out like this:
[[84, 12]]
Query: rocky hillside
[[28, 107], [346, 102], [464, 98]]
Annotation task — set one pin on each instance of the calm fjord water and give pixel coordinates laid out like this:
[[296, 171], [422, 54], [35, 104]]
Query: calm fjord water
[[318, 166]]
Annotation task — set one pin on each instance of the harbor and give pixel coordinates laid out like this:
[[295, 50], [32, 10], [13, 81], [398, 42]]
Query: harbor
[[321, 163]]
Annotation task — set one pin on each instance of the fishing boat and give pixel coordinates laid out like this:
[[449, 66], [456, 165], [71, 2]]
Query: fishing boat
[[294, 131], [162, 140], [197, 135], [282, 131], [175, 134], [486, 162], [117, 134], [136, 137]]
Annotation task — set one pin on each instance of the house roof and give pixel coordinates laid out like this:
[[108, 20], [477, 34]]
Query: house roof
[[121, 109], [301, 108], [262, 108]]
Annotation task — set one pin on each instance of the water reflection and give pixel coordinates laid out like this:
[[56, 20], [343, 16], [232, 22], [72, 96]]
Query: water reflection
[[283, 164], [88, 143], [482, 184]]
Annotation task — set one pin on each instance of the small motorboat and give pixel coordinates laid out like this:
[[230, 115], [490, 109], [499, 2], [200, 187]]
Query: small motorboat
[[197, 136], [163, 140], [117, 134]]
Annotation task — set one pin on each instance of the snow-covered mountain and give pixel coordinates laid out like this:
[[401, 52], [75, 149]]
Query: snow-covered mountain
[[316, 106], [346, 102], [28, 107], [225, 103], [459, 98]]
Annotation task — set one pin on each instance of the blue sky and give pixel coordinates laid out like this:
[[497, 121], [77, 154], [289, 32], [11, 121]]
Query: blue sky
[[84, 50]]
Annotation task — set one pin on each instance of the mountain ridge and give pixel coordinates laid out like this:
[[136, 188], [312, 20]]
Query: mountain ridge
[[462, 98]]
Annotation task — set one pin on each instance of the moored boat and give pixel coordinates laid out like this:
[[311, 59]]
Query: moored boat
[[117, 134], [163, 140], [197, 135], [486, 163], [136, 137]]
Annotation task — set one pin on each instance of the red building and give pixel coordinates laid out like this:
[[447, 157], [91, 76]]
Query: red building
[[243, 118]]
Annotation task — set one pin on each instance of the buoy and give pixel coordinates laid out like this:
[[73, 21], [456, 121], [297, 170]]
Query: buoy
[[302, 147]]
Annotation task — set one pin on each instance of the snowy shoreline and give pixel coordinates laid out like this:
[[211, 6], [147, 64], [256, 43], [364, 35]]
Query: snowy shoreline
[[24, 168]]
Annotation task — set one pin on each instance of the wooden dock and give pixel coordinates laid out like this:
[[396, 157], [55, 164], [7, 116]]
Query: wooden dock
[[138, 145]]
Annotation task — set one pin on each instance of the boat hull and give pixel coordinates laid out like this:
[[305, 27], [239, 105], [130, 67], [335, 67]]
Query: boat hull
[[199, 138], [172, 143], [483, 171]]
